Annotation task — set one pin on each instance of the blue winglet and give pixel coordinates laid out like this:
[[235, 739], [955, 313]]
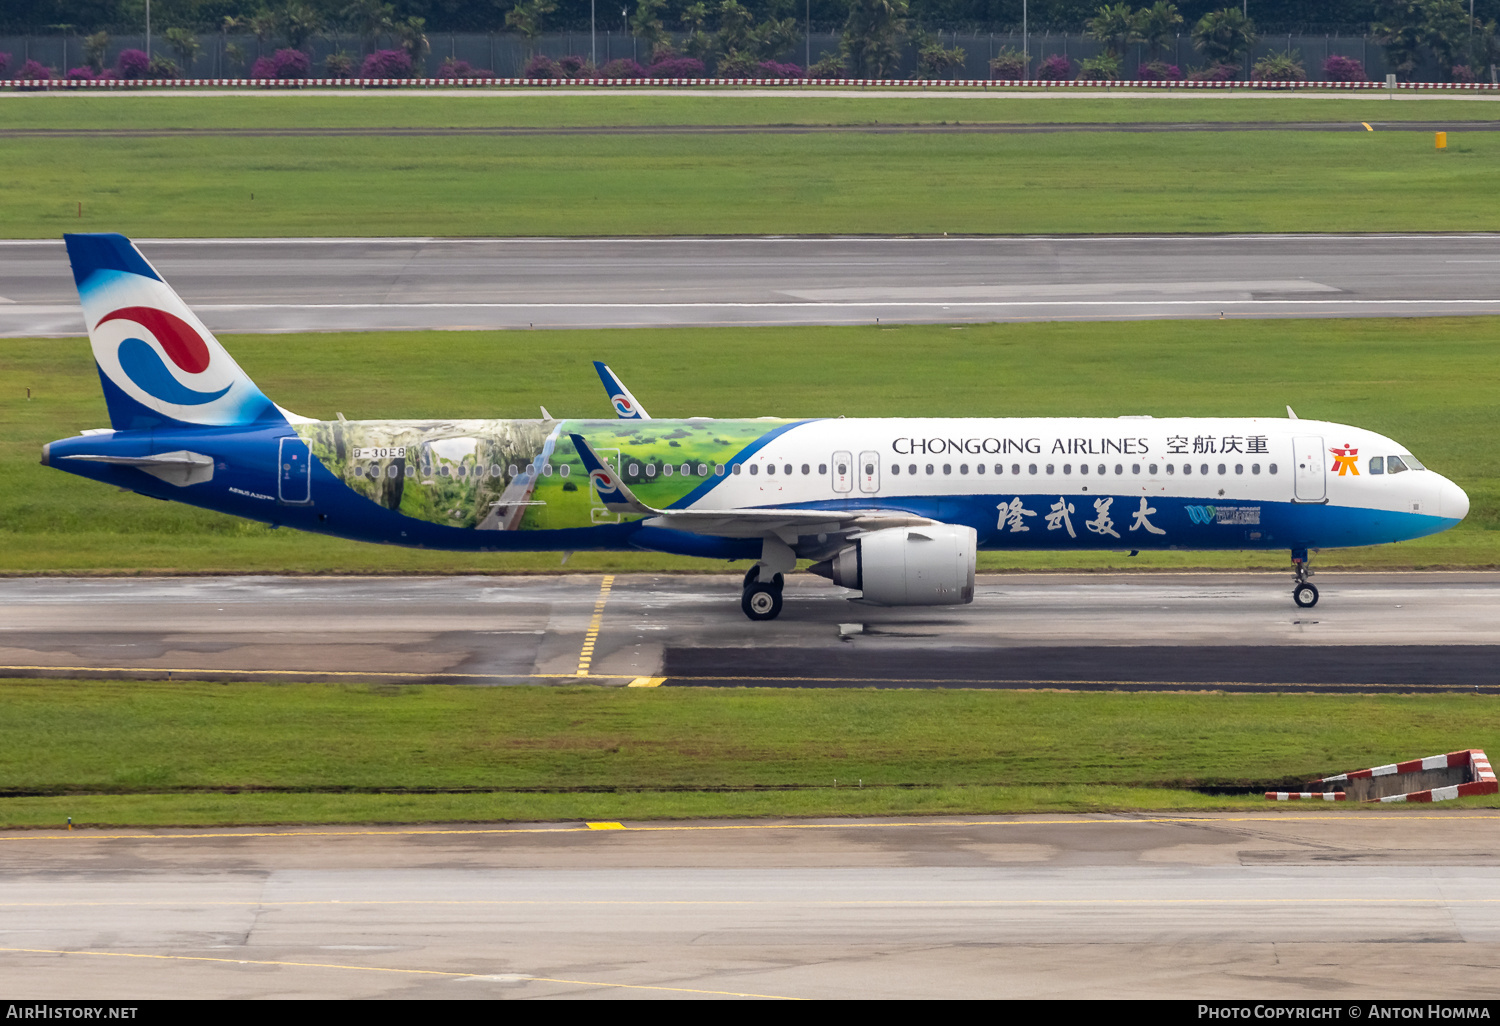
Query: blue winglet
[[626, 406], [612, 491]]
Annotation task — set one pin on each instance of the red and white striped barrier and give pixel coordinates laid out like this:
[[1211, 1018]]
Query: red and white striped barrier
[[678, 83], [1474, 759], [1292, 796]]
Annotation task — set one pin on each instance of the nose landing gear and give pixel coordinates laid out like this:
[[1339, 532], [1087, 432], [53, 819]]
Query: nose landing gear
[[1304, 593]]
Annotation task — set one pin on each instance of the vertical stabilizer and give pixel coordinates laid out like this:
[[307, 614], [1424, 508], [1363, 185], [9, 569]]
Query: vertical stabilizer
[[159, 365]]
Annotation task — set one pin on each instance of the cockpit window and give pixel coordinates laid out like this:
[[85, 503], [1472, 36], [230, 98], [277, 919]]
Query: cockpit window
[[1394, 465], [1411, 462], [1377, 465]]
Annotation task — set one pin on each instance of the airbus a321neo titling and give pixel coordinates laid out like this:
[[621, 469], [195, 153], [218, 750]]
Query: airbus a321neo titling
[[892, 508]]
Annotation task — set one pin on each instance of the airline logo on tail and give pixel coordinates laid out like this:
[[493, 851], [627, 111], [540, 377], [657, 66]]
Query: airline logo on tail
[[623, 406], [158, 362], [176, 338]]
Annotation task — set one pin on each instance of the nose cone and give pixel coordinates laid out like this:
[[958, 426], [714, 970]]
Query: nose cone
[[1453, 502]]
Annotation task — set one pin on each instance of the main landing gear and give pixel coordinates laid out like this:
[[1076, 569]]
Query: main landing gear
[[1304, 593], [764, 580], [762, 599]]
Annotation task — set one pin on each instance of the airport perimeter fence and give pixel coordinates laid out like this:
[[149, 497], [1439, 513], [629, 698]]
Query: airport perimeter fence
[[675, 83], [506, 54]]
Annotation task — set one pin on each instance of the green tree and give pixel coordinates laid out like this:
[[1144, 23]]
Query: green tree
[[1157, 27], [299, 22], [1223, 35], [873, 33], [735, 24], [1416, 31], [412, 35], [774, 37], [526, 18], [647, 25], [266, 25], [1116, 26], [96, 51], [184, 43], [370, 19], [699, 43], [934, 60]]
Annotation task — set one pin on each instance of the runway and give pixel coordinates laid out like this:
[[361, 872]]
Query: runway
[[294, 285], [1325, 906], [1150, 631]]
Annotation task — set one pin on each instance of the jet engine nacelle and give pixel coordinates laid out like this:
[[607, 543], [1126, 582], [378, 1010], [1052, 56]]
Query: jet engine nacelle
[[908, 566]]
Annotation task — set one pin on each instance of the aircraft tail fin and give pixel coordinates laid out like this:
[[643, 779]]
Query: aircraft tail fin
[[626, 405], [159, 365]]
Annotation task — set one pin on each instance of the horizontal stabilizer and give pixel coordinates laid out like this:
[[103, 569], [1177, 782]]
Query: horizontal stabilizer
[[178, 468]]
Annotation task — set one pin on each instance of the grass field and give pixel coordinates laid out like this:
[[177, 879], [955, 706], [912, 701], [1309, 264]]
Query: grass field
[[843, 183], [1430, 383], [537, 109], [143, 753]]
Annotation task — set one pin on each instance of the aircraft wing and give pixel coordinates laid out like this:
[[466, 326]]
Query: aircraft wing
[[735, 523], [620, 398]]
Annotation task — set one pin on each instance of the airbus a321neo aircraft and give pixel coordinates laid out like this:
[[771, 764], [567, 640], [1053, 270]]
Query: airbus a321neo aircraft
[[893, 508]]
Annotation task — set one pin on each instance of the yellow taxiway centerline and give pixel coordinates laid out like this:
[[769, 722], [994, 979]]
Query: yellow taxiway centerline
[[518, 977]]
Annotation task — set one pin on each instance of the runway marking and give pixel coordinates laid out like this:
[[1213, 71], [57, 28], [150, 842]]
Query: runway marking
[[605, 826], [647, 682], [387, 969], [323, 673], [1353, 814], [586, 656]]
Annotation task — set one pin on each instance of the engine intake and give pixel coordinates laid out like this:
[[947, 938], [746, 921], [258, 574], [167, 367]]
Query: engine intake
[[908, 566]]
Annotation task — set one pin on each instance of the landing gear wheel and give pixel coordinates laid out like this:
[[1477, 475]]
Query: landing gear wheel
[[762, 601], [1305, 595]]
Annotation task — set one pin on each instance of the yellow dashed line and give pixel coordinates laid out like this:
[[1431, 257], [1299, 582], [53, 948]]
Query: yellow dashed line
[[586, 655], [520, 977], [1352, 816], [646, 682], [605, 826]]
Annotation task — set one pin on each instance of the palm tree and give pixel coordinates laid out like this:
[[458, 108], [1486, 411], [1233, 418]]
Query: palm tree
[[526, 18], [370, 19], [1223, 35], [1158, 27], [1116, 27], [871, 43]]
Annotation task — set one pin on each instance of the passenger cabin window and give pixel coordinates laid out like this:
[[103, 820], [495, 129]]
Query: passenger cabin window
[[1377, 465], [896, 469], [754, 469]]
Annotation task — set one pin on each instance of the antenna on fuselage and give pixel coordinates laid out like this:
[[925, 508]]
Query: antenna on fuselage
[[1291, 413]]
